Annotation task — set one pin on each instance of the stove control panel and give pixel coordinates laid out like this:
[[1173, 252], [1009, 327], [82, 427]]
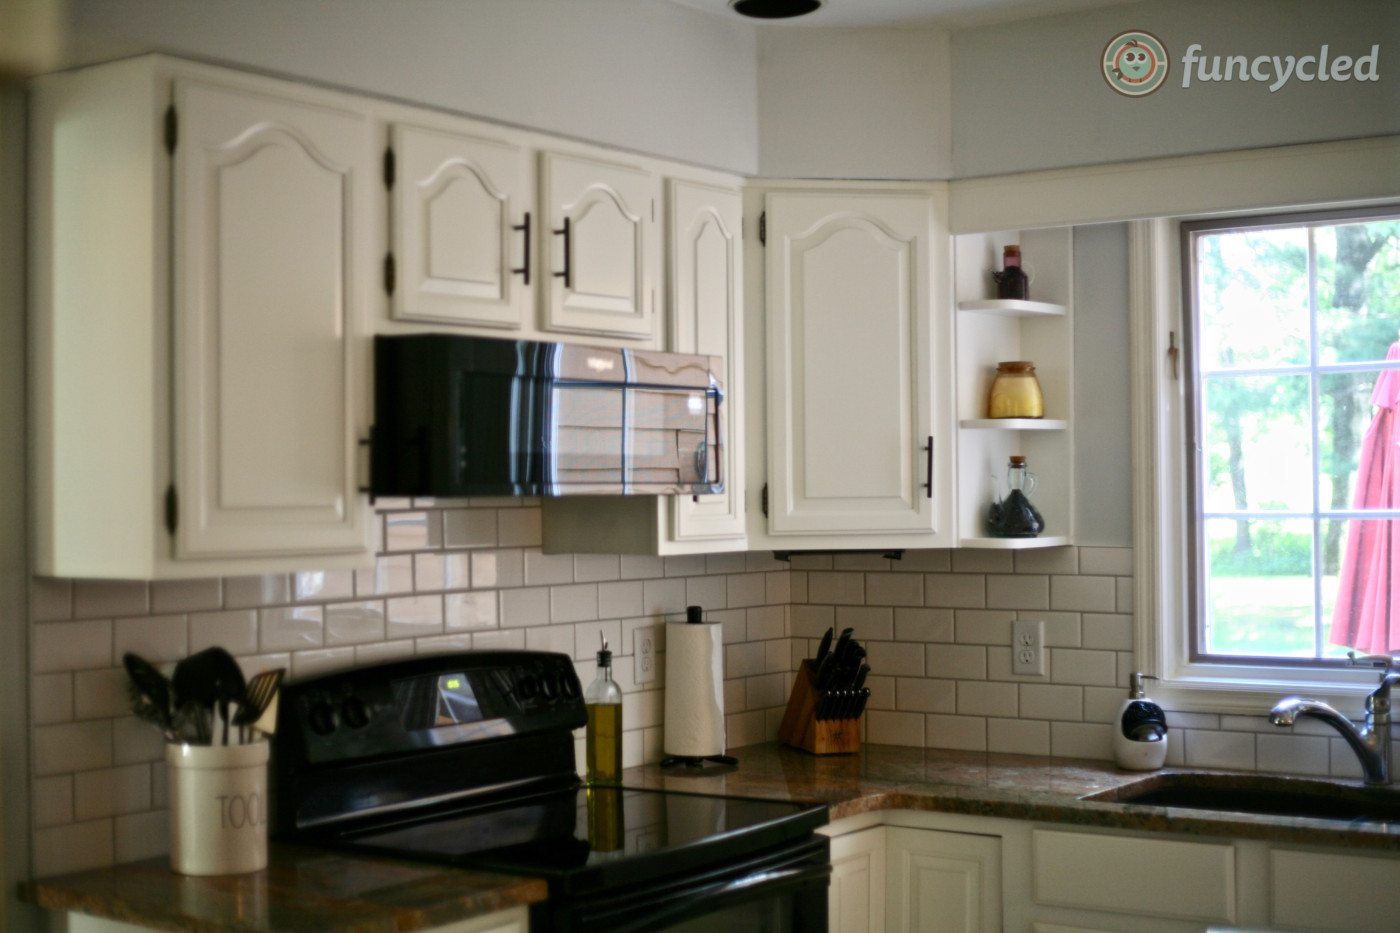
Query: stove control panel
[[439, 701]]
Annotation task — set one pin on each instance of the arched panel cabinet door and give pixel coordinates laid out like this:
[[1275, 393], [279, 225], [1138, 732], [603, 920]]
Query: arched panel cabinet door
[[462, 229], [270, 221], [600, 244], [853, 332], [706, 301]]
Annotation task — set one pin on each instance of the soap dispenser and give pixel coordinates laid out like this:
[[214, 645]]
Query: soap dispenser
[[1140, 739]]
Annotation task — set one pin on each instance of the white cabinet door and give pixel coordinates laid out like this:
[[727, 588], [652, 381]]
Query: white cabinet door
[[853, 332], [461, 229], [599, 237], [941, 882], [270, 225], [704, 245], [856, 898]]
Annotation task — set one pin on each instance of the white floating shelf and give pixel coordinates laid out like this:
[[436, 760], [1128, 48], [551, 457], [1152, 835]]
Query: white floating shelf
[[1012, 307], [1015, 544], [1014, 424]]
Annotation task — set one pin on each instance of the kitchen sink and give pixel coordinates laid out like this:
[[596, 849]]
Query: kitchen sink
[[1259, 794]]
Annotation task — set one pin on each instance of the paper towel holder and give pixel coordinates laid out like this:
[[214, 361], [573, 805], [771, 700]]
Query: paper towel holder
[[703, 765]]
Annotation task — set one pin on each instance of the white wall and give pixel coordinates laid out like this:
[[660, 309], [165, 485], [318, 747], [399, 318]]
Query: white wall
[[854, 103], [1029, 95], [638, 74], [1103, 500]]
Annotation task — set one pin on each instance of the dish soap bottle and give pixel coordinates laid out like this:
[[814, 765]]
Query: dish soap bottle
[[1140, 738], [603, 741]]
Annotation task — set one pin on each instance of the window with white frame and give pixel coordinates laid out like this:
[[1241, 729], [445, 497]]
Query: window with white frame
[[1292, 338]]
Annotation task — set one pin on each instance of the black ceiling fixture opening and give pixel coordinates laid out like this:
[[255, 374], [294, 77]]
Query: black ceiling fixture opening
[[774, 9]]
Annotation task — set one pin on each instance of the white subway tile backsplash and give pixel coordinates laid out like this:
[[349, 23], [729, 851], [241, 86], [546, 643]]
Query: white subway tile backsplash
[[558, 638], [1295, 754], [1219, 749], [955, 590], [1081, 666], [473, 528], [522, 607], [777, 588], [100, 693], [593, 568], [142, 835], [663, 597], [155, 638], [812, 621], [354, 623], [75, 746], [71, 646], [390, 574], [1018, 591], [684, 565], [444, 644], [956, 662], [73, 847], [111, 791], [234, 630], [1083, 594], [746, 660], [1106, 561], [252, 592], [498, 568], [979, 561], [922, 625], [51, 800], [1049, 560], [414, 616], [985, 698], [321, 585], [836, 588], [746, 589], [894, 589], [476, 609], [640, 567], [764, 623], [135, 740], [322, 661], [1018, 736], [587, 643], [291, 628], [169, 596], [577, 603], [709, 593], [457, 571], [917, 694], [1051, 701], [983, 626], [893, 728], [50, 600], [98, 598], [430, 571], [620, 600], [968, 733], [938, 560], [545, 569], [1081, 740], [50, 698], [894, 659], [383, 651], [871, 623], [1112, 632]]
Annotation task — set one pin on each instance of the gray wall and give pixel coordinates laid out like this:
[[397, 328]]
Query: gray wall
[[1103, 499], [638, 74], [1030, 95], [854, 103]]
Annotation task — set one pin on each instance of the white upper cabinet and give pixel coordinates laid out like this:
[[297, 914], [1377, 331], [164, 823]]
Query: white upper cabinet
[[269, 202], [599, 238], [462, 229], [858, 374], [706, 300], [199, 323], [705, 315]]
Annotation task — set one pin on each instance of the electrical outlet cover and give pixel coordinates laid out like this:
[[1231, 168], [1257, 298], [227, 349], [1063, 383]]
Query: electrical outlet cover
[[644, 654], [1028, 647]]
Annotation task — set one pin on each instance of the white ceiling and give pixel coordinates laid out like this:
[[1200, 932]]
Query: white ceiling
[[913, 13]]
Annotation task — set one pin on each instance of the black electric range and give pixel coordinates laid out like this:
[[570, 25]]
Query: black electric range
[[468, 759]]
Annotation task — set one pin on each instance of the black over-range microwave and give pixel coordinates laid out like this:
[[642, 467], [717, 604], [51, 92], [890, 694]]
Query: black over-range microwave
[[477, 416]]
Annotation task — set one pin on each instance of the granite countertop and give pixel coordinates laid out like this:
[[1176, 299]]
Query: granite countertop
[[313, 890], [301, 889], [1024, 787]]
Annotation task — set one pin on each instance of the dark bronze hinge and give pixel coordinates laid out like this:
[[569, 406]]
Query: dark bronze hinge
[[765, 500], [389, 273], [172, 129], [172, 509], [763, 228], [389, 168]]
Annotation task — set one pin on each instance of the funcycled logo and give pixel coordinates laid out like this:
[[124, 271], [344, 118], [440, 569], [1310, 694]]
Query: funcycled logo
[[1135, 63]]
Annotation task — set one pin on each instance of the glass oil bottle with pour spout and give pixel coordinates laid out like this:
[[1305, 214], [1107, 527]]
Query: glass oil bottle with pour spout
[[1013, 516], [603, 739]]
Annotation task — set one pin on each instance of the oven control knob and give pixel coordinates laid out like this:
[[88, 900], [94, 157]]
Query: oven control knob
[[354, 713], [568, 686], [320, 716], [526, 687], [549, 685]]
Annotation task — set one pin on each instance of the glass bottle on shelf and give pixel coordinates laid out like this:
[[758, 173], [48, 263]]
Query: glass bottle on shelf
[[1015, 392], [1012, 515], [603, 737], [1011, 281]]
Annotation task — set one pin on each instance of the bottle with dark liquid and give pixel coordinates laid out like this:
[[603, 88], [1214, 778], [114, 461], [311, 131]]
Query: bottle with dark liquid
[[1011, 281], [603, 737]]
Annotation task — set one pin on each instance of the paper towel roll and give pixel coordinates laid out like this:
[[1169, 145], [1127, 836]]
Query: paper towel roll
[[694, 689]]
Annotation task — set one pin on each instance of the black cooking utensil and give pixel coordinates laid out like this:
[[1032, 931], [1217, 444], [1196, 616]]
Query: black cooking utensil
[[259, 693], [210, 679], [824, 647], [150, 690]]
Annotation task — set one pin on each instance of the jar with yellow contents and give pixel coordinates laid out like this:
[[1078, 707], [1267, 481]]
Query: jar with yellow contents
[[1015, 392]]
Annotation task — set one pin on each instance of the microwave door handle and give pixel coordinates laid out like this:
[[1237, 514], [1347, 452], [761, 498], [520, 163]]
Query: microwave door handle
[[686, 906]]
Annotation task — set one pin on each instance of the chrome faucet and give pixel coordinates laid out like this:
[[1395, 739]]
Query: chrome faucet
[[1372, 741]]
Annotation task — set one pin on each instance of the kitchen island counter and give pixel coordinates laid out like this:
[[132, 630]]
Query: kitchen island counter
[[302, 889], [1023, 787]]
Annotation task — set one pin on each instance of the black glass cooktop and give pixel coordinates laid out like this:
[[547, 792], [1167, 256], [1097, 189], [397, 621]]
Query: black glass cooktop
[[585, 838]]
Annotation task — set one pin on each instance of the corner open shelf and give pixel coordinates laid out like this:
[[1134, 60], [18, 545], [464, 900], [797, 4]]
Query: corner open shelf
[[1012, 307], [993, 330]]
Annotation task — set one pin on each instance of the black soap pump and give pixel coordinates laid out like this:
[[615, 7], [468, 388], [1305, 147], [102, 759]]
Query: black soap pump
[[1140, 736]]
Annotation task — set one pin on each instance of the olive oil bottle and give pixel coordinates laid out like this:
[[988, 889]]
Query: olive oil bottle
[[603, 741]]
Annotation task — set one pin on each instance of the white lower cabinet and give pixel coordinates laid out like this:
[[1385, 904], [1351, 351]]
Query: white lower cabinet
[[906, 871], [940, 882], [513, 920], [856, 900]]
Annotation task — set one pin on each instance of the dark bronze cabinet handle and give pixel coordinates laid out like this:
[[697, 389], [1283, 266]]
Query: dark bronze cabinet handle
[[567, 274], [929, 485], [524, 228]]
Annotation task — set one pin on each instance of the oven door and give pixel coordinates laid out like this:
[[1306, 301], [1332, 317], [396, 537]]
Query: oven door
[[776, 891]]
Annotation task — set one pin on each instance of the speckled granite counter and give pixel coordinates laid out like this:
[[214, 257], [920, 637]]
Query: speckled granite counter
[[887, 777], [301, 889]]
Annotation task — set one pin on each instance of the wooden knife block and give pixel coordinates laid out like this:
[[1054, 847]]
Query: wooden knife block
[[801, 729]]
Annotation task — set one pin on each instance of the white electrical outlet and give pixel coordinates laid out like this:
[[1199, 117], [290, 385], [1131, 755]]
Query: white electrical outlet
[[1028, 647], [644, 654]]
